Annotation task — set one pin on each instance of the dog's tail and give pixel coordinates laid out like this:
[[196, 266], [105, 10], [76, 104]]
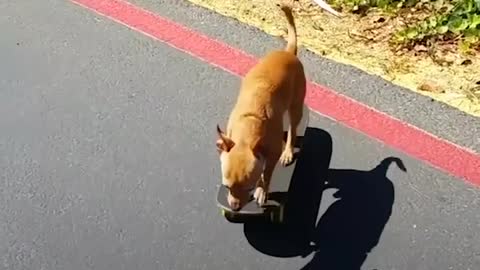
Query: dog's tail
[[383, 166], [286, 7]]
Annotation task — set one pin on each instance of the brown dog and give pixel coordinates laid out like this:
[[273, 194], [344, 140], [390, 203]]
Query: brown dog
[[252, 145]]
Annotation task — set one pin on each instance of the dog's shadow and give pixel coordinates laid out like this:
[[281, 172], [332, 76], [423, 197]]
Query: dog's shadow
[[350, 227]]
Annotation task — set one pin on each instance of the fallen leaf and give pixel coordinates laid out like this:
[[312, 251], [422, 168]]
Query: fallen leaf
[[430, 87], [466, 62]]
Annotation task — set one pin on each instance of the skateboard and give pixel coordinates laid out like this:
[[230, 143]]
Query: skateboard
[[273, 209]]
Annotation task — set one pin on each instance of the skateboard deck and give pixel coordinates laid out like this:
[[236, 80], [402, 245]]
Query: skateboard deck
[[280, 183]]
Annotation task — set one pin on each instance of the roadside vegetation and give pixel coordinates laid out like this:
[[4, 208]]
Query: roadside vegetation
[[427, 22], [429, 46], [448, 28]]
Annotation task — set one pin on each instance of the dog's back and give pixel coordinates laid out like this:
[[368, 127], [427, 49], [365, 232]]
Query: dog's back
[[268, 88]]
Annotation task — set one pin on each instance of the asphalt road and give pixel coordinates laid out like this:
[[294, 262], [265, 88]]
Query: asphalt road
[[107, 161]]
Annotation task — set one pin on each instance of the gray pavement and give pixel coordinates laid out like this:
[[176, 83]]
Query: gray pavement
[[107, 161]]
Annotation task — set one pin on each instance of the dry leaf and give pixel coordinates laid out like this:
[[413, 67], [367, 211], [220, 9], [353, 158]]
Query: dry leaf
[[430, 87]]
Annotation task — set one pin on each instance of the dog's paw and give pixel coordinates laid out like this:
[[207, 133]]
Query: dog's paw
[[260, 196], [287, 157]]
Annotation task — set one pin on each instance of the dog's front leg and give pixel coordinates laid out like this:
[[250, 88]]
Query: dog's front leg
[[261, 191]]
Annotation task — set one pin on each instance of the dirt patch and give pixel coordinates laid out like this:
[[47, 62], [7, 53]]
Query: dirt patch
[[362, 41]]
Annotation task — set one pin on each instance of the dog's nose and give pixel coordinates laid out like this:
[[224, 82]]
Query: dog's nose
[[235, 206]]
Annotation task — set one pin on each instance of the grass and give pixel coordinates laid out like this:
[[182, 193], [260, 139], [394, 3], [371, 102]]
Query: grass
[[405, 42], [428, 22]]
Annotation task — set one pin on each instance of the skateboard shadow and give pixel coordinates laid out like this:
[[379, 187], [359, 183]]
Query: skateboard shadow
[[293, 237], [351, 226]]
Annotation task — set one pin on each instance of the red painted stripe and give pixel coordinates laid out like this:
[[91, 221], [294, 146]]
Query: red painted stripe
[[441, 154]]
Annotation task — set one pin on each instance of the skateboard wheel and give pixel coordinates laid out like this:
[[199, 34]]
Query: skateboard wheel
[[276, 216], [280, 214], [272, 217]]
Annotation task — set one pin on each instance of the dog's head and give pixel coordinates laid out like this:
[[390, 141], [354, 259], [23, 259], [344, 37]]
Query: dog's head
[[242, 167]]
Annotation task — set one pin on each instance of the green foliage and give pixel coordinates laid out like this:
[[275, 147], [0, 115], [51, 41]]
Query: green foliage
[[448, 20], [462, 22], [383, 4]]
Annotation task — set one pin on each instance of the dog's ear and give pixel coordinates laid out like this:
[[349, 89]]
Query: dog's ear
[[223, 142]]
